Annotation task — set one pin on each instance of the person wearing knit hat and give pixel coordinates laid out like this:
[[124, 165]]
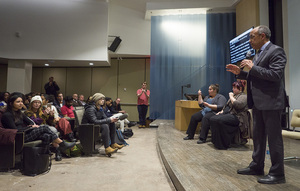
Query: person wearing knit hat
[[94, 114], [97, 96], [36, 98]]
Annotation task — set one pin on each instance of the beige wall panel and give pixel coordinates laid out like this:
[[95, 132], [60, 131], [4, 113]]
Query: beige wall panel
[[131, 77], [78, 81], [132, 111], [60, 76], [3, 78], [247, 15], [132, 72], [104, 80], [37, 84]]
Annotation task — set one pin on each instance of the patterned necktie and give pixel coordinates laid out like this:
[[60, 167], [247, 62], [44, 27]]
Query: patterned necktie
[[256, 56]]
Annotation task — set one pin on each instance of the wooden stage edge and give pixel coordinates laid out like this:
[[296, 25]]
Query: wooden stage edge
[[191, 166]]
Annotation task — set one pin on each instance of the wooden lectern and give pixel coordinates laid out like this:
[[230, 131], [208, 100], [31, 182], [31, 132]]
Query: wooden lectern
[[184, 110]]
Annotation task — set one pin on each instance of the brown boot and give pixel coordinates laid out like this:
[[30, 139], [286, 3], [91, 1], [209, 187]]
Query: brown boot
[[116, 146], [109, 151]]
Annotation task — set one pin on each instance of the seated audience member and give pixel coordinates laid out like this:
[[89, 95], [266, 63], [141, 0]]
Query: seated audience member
[[89, 99], [224, 125], [27, 100], [39, 116], [75, 101], [67, 109], [94, 114], [214, 102], [111, 112], [81, 99], [61, 124], [59, 102], [3, 99], [108, 107], [13, 118], [47, 101], [117, 107]]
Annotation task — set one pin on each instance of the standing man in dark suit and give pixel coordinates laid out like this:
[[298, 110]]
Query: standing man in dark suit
[[266, 96]]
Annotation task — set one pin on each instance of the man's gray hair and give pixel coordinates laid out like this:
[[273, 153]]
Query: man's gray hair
[[264, 29]]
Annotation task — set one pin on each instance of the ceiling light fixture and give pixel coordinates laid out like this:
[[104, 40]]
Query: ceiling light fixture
[[91, 64], [46, 64]]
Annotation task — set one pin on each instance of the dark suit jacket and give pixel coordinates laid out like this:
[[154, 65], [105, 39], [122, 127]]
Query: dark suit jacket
[[265, 87]]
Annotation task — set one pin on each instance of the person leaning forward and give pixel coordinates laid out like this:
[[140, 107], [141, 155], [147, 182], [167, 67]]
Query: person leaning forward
[[94, 114], [267, 98]]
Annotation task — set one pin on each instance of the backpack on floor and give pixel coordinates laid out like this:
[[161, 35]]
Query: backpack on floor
[[36, 160], [127, 133], [75, 151], [119, 139]]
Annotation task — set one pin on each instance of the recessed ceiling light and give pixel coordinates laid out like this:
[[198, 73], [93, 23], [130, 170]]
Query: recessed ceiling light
[[91, 64], [46, 64]]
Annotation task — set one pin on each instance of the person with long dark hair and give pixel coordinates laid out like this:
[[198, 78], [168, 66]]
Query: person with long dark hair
[[13, 118]]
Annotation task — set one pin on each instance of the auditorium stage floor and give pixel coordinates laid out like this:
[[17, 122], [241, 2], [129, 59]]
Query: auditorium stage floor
[[202, 167]]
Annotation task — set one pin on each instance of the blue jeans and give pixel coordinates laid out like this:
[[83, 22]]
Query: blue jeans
[[142, 109]]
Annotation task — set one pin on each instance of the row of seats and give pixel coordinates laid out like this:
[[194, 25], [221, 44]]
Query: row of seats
[[11, 154]]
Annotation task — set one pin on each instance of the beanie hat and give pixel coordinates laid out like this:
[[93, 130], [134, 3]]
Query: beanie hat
[[97, 96], [36, 98]]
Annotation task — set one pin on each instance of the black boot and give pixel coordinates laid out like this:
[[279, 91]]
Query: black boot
[[71, 137], [58, 156], [64, 146]]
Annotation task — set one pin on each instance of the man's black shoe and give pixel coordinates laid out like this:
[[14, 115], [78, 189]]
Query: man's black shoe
[[187, 138], [269, 179], [200, 141], [249, 171]]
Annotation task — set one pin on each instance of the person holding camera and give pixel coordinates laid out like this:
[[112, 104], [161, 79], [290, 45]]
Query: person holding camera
[[51, 87], [143, 96]]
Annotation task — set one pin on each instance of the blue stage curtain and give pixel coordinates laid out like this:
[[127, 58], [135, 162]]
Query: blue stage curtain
[[221, 29], [188, 49]]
